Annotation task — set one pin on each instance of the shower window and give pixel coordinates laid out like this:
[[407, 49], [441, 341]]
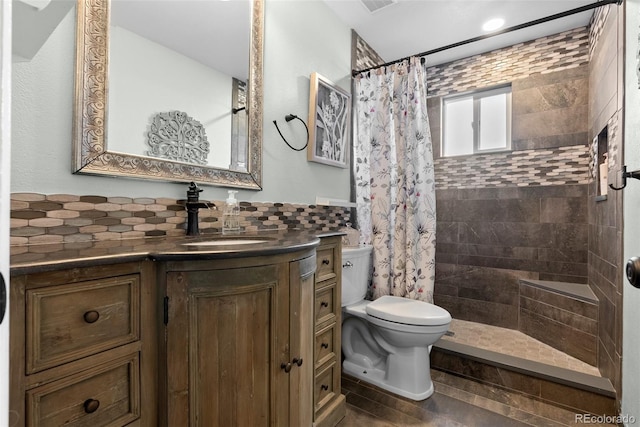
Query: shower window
[[476, 122]]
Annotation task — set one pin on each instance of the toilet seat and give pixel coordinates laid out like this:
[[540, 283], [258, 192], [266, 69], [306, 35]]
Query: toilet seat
[[407, 311]]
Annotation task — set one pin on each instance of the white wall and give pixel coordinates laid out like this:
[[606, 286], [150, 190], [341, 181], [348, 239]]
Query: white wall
[[300, 37], [631, 295]]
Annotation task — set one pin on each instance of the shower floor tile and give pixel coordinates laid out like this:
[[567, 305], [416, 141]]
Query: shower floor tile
[[514, 343]]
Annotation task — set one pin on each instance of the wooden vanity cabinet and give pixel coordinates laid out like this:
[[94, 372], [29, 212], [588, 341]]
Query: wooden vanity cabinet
[[329, 402], [239, 341], [83, 347]]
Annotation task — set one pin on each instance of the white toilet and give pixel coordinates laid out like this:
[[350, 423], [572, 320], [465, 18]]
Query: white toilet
[[386, 342]]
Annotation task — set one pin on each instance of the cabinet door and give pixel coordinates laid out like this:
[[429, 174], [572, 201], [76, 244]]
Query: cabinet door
[[302, 282], [227, 335]]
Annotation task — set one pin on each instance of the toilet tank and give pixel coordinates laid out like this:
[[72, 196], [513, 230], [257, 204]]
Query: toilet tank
[[356, 269]]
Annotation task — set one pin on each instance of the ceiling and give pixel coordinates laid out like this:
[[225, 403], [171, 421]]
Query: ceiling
[[409, 27]]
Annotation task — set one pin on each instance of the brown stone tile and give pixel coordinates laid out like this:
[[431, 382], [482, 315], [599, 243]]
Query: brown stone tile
[[357, 417], [46, 238], [27, 197], [77, 238], [90, 229], [17, 205], [63, 213], [564, 317], [578, 399], [93, 199], [144, 201], [119, 200], [133, 234], [120, 228], [27, 231], [17, 223], [64, 198], [108, 207], [28, 214], [79, 206], [576, 343], [92, 214], [46, 222], [107, 236], [63, 230], [132, 220], [108, 221], [133, 207], [18, 241]]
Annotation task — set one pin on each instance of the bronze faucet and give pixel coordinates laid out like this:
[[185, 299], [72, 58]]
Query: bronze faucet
[[193, 205]]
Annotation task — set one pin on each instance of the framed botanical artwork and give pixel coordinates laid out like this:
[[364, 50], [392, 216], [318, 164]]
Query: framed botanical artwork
[[329, 123]]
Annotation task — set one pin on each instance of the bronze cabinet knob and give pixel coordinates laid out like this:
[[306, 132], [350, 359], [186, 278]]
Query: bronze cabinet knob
[[286, 367], [91, 405], [91, 316]]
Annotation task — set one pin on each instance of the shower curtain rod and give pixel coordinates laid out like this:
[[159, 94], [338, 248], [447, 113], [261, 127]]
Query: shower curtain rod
[[497, 33]]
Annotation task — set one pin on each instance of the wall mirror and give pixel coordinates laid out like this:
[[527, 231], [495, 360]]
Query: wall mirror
[[128, 102]]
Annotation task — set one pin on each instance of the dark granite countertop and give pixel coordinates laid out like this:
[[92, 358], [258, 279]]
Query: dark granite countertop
[[48, 257]]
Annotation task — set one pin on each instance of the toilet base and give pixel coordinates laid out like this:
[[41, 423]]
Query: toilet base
[[377, 377]]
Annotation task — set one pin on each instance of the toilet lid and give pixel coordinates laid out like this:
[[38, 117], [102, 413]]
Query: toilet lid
[[408, 311]]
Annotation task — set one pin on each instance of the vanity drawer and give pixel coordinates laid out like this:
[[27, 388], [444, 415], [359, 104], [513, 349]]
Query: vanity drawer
[[326, 303], [71, 321], [326, 266], [325, 387], [105, 395], [325, 345]]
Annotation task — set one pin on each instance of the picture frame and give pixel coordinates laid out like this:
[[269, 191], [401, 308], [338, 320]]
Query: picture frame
[[329, 123]]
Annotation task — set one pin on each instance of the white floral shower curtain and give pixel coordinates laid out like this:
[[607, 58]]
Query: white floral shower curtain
[[394, 176]]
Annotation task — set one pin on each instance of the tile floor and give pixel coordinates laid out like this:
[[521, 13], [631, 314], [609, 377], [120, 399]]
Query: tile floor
[[457, 402], [462, 402]]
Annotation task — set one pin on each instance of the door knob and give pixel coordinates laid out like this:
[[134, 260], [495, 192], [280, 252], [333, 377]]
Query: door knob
[[633, 271]]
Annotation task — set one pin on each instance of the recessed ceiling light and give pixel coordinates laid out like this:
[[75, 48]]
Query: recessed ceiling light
[[493, 24]]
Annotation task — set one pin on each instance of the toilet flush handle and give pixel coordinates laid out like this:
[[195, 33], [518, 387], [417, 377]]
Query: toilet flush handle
[[347, 264]]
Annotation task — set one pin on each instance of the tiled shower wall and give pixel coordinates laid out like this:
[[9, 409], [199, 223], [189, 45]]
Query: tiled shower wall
[[522, 213], [605, 216], [65, 218]]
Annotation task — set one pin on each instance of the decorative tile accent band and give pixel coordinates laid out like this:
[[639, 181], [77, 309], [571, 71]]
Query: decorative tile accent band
[[558, 166], [64, 218], [363, 55], [557, 52], [596, 26]]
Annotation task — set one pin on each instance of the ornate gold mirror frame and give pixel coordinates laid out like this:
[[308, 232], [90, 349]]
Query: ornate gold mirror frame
[[90, 152]]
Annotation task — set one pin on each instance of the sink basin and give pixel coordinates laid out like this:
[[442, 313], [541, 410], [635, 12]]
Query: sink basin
[[226, 242]]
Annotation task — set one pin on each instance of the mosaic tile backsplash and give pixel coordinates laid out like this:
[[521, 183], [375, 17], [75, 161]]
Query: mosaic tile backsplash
[[64, 218]]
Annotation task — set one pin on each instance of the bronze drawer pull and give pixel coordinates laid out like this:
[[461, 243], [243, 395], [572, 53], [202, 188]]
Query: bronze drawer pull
[[297, 361], [326, 261], [324, 387], [286, 367], [91, 406], [324, 345], [91, 316], [324, 304]]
